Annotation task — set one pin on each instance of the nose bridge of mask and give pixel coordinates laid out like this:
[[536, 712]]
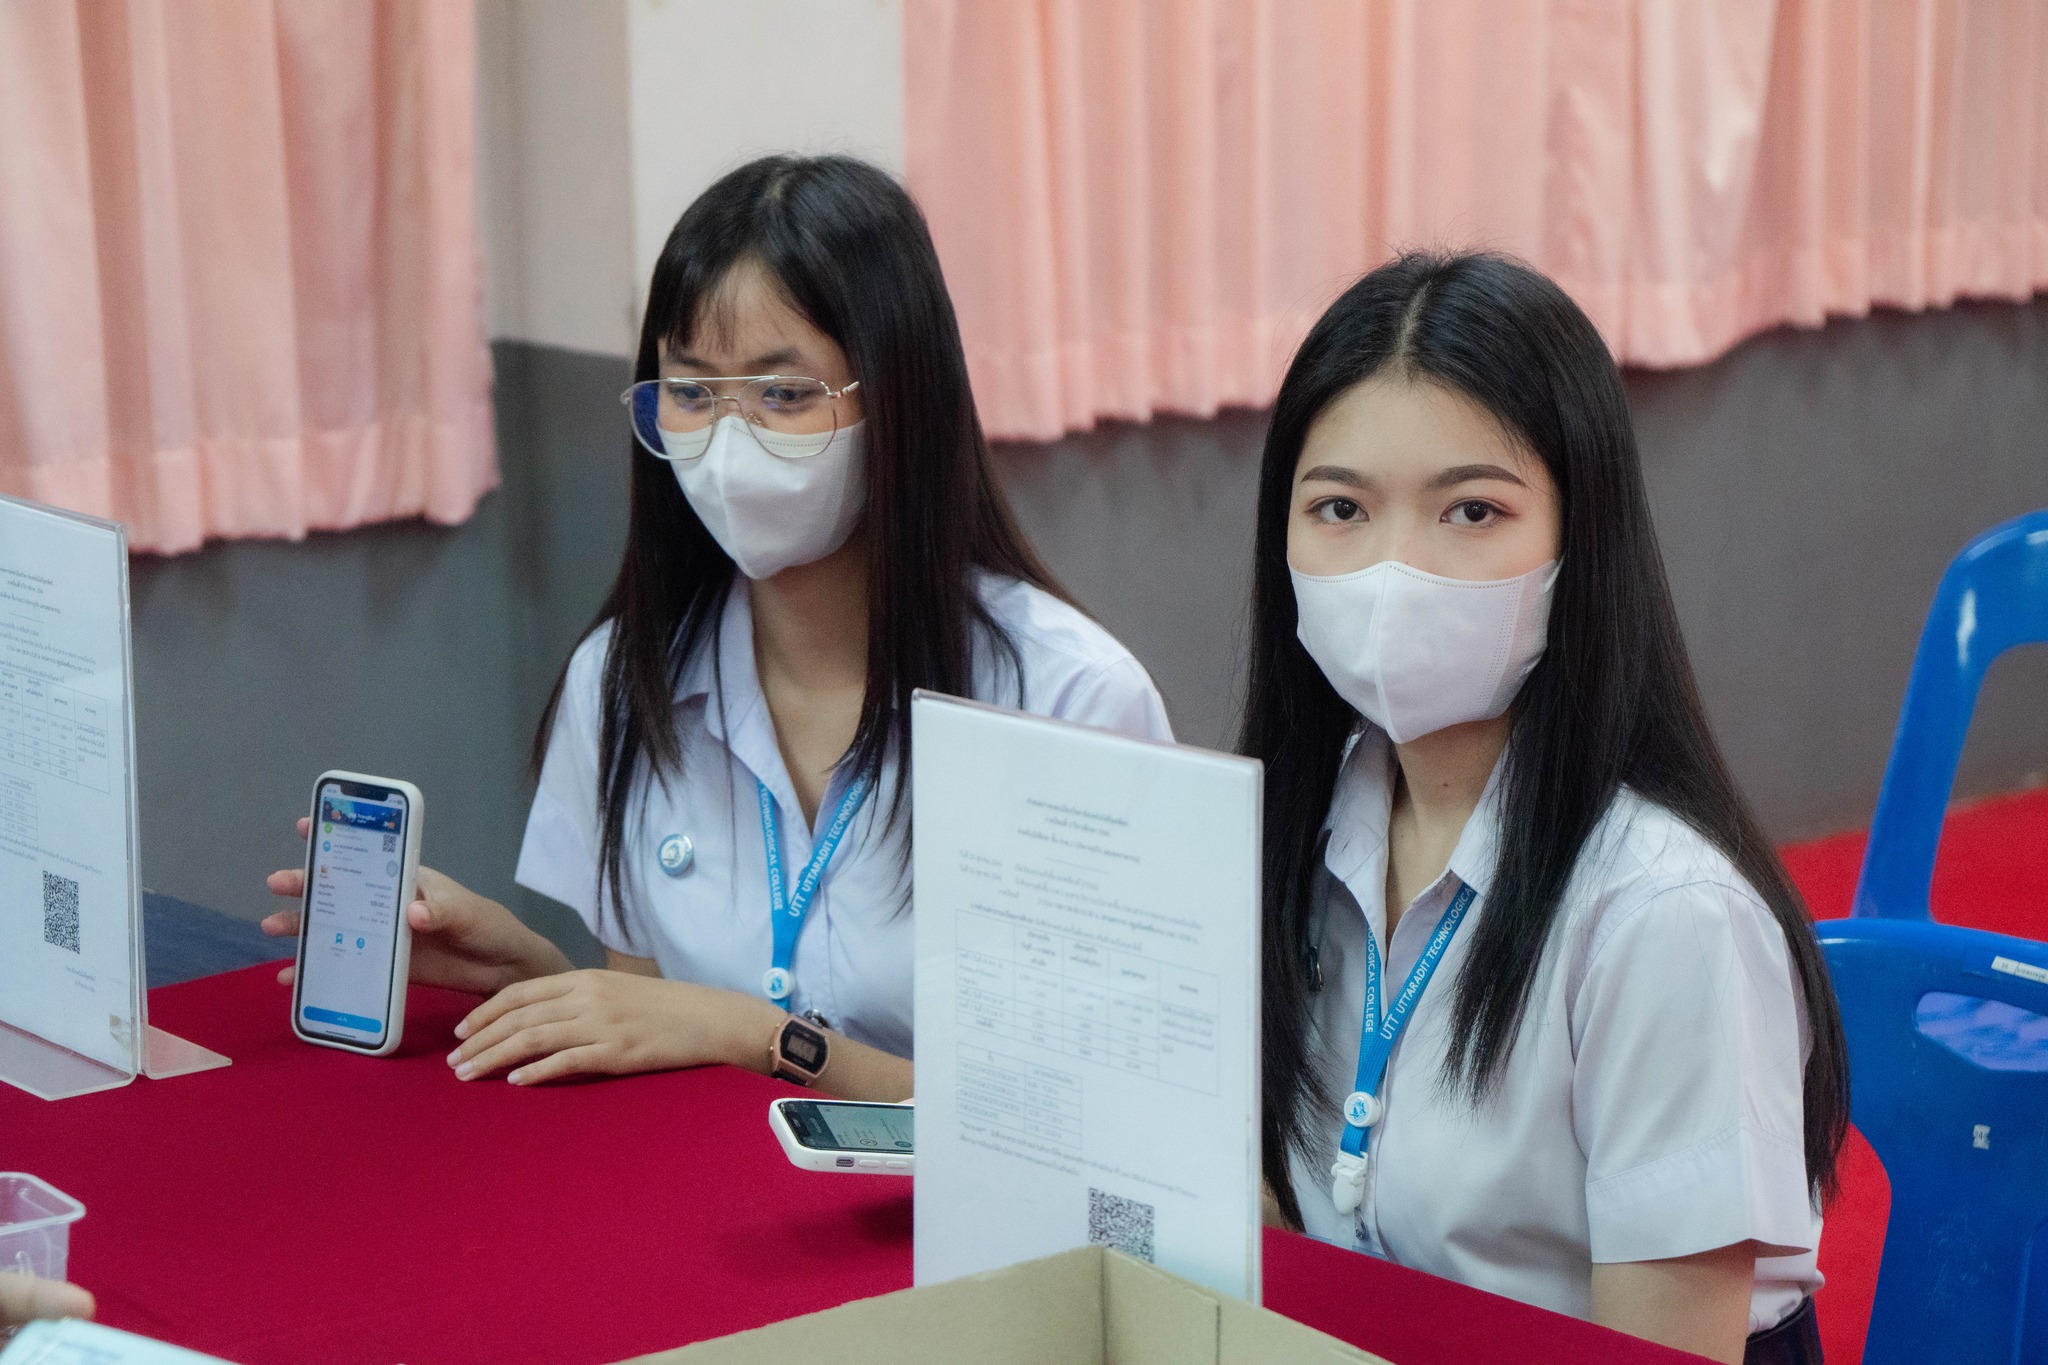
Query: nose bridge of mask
[[689, 445]]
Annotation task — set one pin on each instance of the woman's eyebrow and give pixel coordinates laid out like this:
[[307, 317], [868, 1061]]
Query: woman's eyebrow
[[1465, 473], [1335, 473], [761, 364]]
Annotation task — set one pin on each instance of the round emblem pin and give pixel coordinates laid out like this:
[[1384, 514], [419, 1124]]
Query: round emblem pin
[[676, 854]]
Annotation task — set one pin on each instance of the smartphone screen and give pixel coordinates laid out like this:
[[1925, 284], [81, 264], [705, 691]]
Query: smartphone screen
[[354, 862], [845, 1127]]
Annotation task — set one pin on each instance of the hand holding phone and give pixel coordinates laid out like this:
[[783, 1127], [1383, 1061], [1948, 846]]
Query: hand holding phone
[[355, 945], [842, 1135]]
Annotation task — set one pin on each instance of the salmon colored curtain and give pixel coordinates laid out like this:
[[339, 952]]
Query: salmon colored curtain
[[1142, 205], [240, 287]]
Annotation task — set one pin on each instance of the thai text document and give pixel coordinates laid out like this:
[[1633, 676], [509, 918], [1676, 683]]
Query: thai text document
[[66, 861], [1087, 996]]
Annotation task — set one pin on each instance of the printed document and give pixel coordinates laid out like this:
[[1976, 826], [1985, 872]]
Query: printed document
[[72, 1342], [1087, 997], [67, 889]]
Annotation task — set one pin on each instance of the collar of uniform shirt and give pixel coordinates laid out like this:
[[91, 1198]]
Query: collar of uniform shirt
[[724, 674], [1363, 800]]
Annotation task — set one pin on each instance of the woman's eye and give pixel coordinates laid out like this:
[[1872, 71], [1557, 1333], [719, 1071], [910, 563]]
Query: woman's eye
[[1338, 510], [1472, 513]]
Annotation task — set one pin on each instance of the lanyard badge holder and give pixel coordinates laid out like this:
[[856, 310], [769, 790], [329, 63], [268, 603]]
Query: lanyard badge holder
[[787, 910], [1363, 1108]]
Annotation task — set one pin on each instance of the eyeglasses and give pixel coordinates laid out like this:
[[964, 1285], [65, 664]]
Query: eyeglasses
[[791, 416]]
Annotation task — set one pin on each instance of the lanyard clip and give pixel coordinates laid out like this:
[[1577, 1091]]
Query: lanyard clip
[[1347, 1182], [1363, 1110]]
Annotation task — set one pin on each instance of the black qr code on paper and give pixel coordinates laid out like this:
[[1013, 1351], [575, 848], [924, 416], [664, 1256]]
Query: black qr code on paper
[[391, 843], [60, 912], [1122, 1224]]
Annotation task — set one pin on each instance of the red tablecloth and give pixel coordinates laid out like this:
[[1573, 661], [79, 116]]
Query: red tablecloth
[[304, 1205]]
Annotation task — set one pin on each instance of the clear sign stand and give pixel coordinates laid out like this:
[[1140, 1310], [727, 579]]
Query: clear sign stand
[[74, 996]]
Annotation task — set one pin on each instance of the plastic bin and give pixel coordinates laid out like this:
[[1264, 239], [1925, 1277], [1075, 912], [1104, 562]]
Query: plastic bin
[[35, 1225]]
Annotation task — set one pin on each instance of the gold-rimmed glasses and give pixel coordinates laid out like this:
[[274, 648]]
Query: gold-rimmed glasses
[[794, 416]]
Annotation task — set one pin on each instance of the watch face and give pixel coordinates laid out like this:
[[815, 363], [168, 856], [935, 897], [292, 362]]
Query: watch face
[[803, 1045]]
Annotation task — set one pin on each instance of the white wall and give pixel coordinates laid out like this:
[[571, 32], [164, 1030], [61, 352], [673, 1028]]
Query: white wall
[[554, 177], [600, 120]]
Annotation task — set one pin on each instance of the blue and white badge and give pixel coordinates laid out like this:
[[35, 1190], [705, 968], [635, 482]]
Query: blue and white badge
[[1363, 1107], [1362, 1110], [788, 907], [676, 854]]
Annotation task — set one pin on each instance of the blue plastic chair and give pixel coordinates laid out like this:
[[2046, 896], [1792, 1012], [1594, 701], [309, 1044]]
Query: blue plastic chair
[[1961, 1125], [1948, 1054], [1994, 596]]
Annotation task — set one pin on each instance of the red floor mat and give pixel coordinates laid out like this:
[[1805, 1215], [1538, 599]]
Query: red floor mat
[[1992, 873]]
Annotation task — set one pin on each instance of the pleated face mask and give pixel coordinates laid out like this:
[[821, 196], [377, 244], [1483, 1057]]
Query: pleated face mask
[[1414, 652], [767, 499]]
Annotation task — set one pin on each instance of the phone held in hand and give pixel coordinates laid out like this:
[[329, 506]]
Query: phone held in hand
[[355, 947], [841, 1135]]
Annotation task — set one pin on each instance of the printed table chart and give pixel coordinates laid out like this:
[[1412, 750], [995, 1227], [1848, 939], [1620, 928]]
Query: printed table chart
[[1088, 1001], [52, 730]]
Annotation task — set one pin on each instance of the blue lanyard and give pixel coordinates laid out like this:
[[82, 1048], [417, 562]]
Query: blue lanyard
[[786, 911], [1363, 1108]]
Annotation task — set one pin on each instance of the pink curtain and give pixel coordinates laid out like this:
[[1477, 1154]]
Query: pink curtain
[[1142, 205], [240, 288]]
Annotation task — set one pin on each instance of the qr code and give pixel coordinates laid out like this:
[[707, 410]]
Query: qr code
[[1119, 1223], [60, 912], [391, 843]]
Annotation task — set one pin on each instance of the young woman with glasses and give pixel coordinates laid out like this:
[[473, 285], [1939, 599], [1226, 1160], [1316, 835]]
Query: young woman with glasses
[[814, 533]]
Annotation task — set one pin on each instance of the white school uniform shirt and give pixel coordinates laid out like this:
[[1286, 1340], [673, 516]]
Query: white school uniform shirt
[[1651, 1107], [853, 957]]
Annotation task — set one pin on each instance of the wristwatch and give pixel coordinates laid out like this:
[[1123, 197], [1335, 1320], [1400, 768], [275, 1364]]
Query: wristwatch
[[798, 1052]]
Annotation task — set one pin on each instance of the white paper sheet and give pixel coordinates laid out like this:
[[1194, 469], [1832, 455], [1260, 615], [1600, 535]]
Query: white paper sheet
[[1087, 997], [72, 1342], [67, 890]]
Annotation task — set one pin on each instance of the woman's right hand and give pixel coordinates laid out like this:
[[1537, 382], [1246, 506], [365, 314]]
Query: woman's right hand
[[461, 940]]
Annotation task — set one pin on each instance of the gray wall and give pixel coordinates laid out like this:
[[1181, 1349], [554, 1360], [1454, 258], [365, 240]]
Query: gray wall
[[1809, 489]]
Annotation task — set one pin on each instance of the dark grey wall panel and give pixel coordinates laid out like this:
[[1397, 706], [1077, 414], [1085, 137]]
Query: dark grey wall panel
[[412, 650], [1808, 488]]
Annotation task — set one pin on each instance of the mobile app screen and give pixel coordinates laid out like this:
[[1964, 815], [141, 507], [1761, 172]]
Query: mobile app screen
[[358, 852]]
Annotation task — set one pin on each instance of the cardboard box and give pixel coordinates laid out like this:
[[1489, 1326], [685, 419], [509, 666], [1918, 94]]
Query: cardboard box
[[1082, 1307]]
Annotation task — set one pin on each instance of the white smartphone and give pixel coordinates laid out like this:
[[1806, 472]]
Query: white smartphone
[[841, 1135], [355, 947]]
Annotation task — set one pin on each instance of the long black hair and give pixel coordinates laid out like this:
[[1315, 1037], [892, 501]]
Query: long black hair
[[850, 251], [1611, 704]]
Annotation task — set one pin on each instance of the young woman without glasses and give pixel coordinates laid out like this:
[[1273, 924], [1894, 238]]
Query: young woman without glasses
[[1542, 1012]]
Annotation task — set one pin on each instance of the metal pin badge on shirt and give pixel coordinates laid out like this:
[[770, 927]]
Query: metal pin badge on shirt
[[676, 854]]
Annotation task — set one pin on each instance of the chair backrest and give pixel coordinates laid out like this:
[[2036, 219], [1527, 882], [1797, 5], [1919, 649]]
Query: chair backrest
[[1994, 596], [1965, 1143]]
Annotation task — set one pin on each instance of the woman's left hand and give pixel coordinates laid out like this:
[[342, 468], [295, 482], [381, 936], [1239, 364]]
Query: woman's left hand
[[610, 1023]]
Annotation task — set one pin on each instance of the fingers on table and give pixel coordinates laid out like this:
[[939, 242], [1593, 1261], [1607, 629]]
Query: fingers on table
[[517, 996], [523, 1041], [588, 1059], [515, 1036]]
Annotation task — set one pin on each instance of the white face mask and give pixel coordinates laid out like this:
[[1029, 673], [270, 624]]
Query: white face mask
[[767, 511], [1415, 652]]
